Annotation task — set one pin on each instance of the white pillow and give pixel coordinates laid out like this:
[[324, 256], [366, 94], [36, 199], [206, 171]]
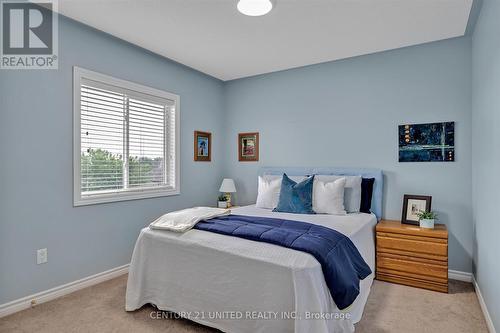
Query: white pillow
[[328, 197], [352, 191], [269, 192]]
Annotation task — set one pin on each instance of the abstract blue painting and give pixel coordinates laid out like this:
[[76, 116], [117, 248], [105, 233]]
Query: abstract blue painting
[[427, 142]]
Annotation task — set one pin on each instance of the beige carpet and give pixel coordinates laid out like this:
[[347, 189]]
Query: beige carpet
[[390, 308]]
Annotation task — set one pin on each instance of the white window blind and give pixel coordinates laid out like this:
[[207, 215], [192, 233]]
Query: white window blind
[[127, 140], [102, 137]]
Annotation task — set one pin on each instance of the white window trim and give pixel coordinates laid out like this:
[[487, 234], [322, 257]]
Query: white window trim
[[140, 193]]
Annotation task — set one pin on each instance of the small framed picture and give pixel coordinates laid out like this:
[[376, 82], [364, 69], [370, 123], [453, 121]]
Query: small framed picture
[[414, 204], [248, 147], [202, 146]]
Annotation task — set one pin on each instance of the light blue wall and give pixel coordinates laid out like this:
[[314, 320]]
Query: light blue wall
[[36, 204], [343, 113], [486, 154], [346, 113]]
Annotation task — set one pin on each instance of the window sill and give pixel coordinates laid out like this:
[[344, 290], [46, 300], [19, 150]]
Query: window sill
[[123, 196]]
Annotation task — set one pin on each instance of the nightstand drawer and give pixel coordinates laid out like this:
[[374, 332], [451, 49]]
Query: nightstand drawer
[[415, 245], [413, 281], [437, 272]]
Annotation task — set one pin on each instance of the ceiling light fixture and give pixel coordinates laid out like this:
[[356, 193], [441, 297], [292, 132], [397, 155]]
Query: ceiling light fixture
[[255, 7]]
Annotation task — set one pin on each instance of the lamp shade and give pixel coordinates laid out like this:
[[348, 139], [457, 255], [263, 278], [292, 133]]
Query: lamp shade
[[227, 186]]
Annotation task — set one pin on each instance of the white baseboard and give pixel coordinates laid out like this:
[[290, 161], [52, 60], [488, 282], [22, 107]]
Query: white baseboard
[[460, 276], [486, 313], [59, 291]]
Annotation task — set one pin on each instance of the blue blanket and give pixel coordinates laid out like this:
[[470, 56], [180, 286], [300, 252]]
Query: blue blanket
[[343, 267]]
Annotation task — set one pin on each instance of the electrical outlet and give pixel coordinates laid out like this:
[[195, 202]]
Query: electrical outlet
[[41, 256]]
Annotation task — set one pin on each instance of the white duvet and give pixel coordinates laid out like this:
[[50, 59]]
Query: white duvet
[[238, 285]]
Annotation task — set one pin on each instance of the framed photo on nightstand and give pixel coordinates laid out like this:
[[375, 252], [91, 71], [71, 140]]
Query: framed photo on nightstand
[[414, 204]]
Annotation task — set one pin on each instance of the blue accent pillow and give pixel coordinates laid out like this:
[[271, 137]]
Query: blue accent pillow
[[295, 197]]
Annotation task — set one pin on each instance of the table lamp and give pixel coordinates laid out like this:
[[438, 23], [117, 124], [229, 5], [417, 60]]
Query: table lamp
[[227, 187]]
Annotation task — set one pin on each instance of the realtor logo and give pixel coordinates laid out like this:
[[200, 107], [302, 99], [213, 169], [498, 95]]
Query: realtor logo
[[29, 35]]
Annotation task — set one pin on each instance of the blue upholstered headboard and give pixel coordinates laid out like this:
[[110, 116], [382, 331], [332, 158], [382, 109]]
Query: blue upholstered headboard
[[378, 186]]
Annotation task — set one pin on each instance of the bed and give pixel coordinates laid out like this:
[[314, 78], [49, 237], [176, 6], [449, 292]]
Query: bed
[[239, 285]]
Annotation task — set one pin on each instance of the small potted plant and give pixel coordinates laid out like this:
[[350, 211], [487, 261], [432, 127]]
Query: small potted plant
[[427, 219], [222, 201]]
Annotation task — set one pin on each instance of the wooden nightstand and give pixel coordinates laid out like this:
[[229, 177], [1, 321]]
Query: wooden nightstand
[[413, 256]]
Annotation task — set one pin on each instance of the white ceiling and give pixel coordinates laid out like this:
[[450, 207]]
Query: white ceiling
[[213, 37]]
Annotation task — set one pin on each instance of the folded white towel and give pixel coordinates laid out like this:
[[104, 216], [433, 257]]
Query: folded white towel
[[183, 220]]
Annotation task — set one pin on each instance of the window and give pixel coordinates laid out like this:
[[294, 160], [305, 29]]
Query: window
[[126, 140]]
